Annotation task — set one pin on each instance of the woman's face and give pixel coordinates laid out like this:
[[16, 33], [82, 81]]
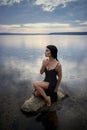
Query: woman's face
[[47, 52]]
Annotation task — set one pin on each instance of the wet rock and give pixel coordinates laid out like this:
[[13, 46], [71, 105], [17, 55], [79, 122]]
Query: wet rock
[[33, 104]]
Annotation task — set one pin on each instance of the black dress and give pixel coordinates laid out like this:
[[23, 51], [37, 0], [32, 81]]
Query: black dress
[[51, 77]]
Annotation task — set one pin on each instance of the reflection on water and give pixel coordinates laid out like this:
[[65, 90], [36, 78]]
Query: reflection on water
[[49, 120], [20, 60], [25, 53]]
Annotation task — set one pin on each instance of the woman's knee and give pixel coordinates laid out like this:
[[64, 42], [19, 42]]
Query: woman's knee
[[35, 84]]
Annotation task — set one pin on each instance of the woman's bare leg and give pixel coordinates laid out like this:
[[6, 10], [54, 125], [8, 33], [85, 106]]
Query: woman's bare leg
[[36, 93], [40, 87], [47, 98], [42, 84]]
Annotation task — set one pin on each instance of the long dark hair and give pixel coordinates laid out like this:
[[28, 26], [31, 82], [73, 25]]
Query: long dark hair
[[53, 50]]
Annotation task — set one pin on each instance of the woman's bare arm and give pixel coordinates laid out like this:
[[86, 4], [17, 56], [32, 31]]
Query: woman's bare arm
[[59, 68]]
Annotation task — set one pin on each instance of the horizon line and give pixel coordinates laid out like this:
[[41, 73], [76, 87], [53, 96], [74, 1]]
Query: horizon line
[[50, 33]]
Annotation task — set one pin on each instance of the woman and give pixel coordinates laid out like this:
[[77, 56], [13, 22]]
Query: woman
[[53, 75]]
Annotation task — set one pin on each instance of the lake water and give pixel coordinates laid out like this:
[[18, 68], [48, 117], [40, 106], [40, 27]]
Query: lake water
[[20, 61]]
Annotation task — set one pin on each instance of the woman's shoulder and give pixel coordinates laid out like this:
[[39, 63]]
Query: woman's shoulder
[[59, 64]]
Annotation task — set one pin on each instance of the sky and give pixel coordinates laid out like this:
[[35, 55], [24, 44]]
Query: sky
[[43, 16]]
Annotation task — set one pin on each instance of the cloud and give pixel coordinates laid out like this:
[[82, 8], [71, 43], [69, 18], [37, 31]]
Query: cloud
[[48, 25], [9, 2], [33, 27], [84, 23], [50, 5], [46, 5], [42, 28]]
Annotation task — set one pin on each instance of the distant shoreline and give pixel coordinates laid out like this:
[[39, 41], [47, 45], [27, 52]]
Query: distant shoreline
[[53, 33]]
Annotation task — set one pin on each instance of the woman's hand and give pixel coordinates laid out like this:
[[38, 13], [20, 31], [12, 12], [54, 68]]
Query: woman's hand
[[45, 62]]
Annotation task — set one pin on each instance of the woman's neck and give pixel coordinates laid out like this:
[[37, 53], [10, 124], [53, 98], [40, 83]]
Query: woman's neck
[[51, 59]]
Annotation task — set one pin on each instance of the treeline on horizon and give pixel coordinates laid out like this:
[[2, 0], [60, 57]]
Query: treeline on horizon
[[53, 33]]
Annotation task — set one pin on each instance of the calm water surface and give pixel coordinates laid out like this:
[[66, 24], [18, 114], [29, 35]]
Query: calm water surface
[[20, 61]]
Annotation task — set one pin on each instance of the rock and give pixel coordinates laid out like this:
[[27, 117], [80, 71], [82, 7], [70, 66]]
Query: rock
[[33, 104]]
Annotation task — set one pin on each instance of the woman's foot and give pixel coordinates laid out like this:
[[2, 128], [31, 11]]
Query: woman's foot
[[48, 101]]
